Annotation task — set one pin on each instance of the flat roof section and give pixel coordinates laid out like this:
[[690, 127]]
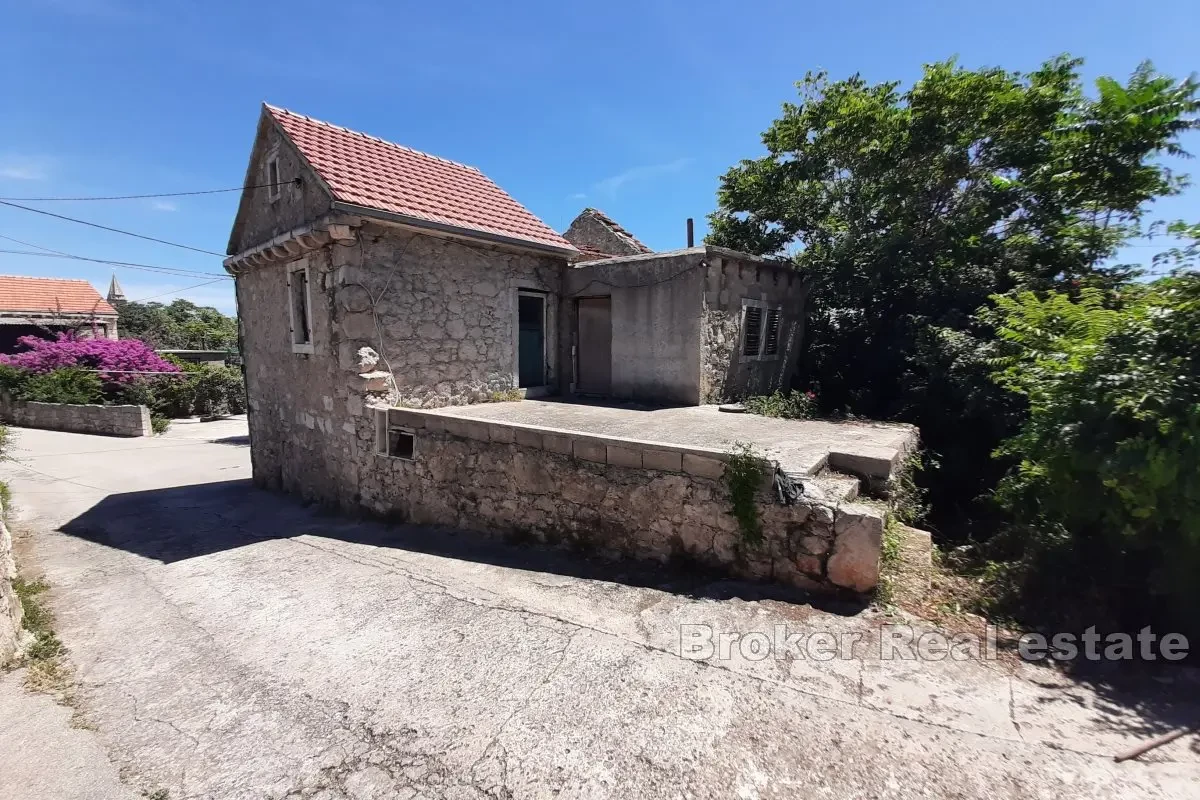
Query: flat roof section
[[867, 449]]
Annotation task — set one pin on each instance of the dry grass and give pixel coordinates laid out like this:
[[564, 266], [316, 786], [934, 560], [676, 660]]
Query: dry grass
[[46, 667]]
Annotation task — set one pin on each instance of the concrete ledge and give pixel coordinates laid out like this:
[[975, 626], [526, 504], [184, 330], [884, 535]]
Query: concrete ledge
[[867, 462], [103, 420], [618, 451]]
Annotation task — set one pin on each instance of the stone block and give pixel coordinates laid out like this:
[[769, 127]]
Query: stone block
[[814, 545], [590, 450], [527, 438], [406, 418], [857, 546], [456, 426], [558, 443], [809, 565], [703, 466], [501, 433], [624, 456], [479, 431], [869, 462], [665, 460]]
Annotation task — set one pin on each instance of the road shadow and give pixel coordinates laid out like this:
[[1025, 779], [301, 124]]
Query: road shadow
[[182, 522], [1143, 700], [238, 441]]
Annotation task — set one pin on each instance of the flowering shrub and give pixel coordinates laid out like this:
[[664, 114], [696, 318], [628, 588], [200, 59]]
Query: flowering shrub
[[126, 355]]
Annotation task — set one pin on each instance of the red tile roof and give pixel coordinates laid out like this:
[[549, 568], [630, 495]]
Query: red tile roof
[[365, 171], [65, 295]]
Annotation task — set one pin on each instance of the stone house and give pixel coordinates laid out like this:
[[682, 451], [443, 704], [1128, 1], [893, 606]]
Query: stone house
[[379, 287], [46, 306], [356, 242]]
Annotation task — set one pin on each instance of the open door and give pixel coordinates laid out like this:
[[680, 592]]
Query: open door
[[594, 354]]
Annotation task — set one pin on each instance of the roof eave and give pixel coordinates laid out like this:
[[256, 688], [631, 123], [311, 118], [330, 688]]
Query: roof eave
[[457, 230]]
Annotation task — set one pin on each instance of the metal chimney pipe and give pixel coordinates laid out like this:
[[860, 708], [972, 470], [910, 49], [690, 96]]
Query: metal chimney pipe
[[691, 233]]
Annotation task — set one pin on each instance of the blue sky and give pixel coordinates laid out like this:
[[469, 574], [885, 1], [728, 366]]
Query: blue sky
[[635, 108]]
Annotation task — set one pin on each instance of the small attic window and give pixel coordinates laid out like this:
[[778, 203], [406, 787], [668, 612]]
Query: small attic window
[[274, 190]]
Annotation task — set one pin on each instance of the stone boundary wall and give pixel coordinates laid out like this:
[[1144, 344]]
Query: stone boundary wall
[[617, 496], [11, 613], [105, 420]]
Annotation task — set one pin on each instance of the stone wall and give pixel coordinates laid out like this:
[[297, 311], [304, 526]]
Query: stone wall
[[592, 232], [105, 420], [440, 314], [259, 218], [656, 304], [677, 323], [724, 373], [611, 495], [11, 614]]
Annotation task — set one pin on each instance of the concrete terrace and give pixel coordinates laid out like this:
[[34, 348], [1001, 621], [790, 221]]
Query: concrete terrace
[[867, 449]]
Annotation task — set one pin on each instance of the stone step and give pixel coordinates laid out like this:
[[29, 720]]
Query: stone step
[[842, 488], [827, 488]]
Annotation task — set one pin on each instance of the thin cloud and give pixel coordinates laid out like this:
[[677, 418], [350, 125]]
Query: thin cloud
[[164, 205], [579, 196], [24, 168], [611, 185]]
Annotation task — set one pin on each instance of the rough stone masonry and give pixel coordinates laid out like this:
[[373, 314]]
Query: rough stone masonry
[[613, 496]]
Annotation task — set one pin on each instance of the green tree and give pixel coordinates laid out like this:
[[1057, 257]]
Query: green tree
[[910, 209], [179, 325], [1106, 485]]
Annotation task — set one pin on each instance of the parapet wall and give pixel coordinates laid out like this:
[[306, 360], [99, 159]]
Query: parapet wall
[[611, 495], [105, 420]]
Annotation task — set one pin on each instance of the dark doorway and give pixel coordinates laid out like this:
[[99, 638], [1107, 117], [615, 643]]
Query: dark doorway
[[531, 340]]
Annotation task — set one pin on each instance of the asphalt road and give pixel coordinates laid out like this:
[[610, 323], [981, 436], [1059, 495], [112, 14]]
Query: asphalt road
[[231, 643]]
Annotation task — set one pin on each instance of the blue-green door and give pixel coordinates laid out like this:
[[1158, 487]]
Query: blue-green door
[[531, 340]]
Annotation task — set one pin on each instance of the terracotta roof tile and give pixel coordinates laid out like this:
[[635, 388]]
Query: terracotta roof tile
[[66, 295], [369, 172]]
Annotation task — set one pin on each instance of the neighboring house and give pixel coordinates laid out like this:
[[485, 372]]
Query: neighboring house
[[47, 306], [596, 235], [359, 256]]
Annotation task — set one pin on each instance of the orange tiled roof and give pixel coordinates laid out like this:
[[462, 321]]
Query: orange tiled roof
[[65, 295], [369, 172]]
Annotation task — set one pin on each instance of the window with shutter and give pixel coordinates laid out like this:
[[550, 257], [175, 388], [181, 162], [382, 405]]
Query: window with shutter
[[752, 331], [771, 345]]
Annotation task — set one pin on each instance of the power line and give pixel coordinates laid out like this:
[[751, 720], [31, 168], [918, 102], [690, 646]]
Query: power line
[[149, 196], [50, 253], [113, 230], [123, 264], [176, 291]]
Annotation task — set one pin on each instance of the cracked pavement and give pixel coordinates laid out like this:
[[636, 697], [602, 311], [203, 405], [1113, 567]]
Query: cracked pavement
[[231, 643]]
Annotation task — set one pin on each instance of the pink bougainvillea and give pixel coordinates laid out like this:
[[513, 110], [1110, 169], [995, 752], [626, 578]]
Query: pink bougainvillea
[[124, 356]]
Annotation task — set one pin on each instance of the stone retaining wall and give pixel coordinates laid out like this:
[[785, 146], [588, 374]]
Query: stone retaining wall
[[11, 614], [106, 420], [611, 495]]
